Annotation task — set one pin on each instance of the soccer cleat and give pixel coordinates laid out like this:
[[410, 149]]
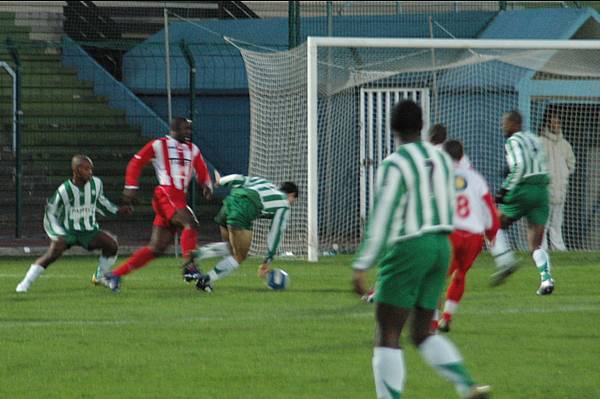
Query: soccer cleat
[[203, 284], [99, 280], [503, 273], [112, 282], [22, 287], [444, 325], [190, 271], [479, 392], [369, 297], [546, 287]]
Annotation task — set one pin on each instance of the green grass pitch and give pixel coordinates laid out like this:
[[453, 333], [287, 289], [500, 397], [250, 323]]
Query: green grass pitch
[[160, 338]]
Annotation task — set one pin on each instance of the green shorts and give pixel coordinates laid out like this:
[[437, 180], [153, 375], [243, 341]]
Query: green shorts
[[82, 239], [412, 273], [527, 200], [239, 210]]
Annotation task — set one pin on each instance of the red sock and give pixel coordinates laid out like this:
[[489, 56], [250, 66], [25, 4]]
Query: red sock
[[446, 316], [456, 288], [188, 240], [139, 259]]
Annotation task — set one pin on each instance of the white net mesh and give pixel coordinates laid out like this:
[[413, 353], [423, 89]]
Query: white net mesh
[[466, 90]]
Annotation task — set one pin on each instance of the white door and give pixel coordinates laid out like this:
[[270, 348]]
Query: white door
[[376, 138]]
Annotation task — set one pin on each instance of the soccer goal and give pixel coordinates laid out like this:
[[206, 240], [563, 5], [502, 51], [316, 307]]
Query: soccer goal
[[320, 117]]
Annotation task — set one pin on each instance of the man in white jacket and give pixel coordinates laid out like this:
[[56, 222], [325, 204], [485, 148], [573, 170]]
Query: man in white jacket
[[561, 163]]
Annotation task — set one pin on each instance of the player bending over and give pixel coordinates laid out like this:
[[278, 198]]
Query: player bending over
[[524, 193], [407, 234], [250, 198], [475, 215], [70, 219], [176, 159]]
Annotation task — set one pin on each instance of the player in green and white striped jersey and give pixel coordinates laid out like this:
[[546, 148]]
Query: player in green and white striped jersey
[[524, 193], [70, 219], [407, 235], [250, 198]]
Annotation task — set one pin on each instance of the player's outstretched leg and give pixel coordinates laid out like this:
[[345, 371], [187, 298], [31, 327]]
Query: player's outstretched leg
[[504, 258], [107, 243], [441, 354], [159, 242], [240, 240], [55, 250]]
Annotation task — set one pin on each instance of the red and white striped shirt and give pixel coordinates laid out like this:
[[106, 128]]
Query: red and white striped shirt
[[175, 164]]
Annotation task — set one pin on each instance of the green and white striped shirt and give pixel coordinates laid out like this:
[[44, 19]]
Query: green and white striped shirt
[[274, 203], [525, 157], [414, 196], [72, 209]]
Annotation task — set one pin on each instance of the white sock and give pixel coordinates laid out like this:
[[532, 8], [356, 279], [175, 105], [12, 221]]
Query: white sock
[[542, 262], [442, 355], [501, 251], [213, 250], [450, 306], [32, 274], [389, 372], [104, 265], [223, 268]]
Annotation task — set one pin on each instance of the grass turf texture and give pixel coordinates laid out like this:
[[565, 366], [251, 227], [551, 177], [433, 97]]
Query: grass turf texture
[[160, 338]]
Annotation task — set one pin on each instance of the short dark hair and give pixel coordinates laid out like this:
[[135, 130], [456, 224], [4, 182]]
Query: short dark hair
[[407, 118], [438, 134], [178, 121], [514, 116], [289, 188], [455, 149]]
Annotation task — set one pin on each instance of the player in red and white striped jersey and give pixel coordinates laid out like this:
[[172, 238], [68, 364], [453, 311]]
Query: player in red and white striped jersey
[[176, 160], [475, 217]]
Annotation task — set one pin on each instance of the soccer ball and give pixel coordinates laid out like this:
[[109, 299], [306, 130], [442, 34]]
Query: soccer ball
[[277, 279]]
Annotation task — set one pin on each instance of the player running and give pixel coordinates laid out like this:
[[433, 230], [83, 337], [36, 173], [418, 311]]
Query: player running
[[524, 193], [250, 198], [407, 234], [475, 216], [176, 159], [70, 219]]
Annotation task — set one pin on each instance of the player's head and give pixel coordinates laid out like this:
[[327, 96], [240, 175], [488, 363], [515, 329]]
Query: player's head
[[512, 122], [181, 129], [552, 121], [455, 149], [407, 120], [291, 189], [438, 134], [82, 167]]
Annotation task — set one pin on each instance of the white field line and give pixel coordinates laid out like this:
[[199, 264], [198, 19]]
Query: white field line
[[256, 317]]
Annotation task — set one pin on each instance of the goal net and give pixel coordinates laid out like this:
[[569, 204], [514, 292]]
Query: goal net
[[330, 141]]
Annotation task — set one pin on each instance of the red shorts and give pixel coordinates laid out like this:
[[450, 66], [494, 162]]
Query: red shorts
[[165, 203], [465, 249]]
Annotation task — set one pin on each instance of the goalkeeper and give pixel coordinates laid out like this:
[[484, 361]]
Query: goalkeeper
[[250, 198]]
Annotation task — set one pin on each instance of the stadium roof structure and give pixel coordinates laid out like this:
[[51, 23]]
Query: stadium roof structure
[[221, 66], [548, 23]]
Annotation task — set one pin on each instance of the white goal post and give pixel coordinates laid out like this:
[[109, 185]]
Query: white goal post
[[313, 45]]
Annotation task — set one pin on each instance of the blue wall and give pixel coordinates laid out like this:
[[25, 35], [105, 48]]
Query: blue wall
[[221, 127]]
